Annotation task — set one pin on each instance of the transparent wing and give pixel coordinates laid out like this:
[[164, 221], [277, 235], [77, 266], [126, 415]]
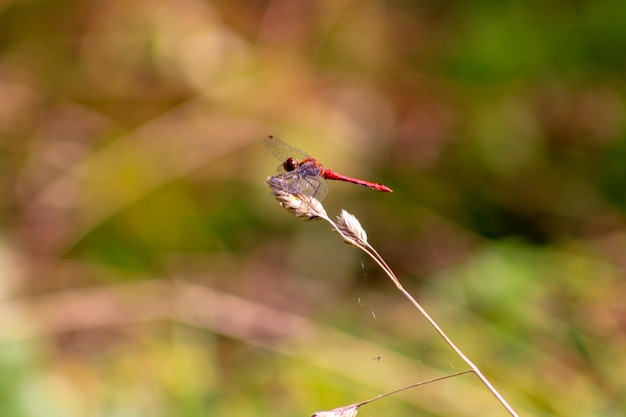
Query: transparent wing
[[309, 186], [282, 151]]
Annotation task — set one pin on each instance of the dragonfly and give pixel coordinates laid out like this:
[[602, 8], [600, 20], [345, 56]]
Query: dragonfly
[[300, 173]]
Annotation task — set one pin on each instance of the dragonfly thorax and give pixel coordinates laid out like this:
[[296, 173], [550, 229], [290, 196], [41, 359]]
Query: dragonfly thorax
[[308, 166]]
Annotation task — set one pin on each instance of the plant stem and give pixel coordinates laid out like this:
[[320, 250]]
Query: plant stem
[[381, 262], [354, 239]]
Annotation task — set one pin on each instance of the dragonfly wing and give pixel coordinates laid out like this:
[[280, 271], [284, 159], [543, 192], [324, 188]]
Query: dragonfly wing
[[307, 186], [282, 151], [317, 187], [280, 169]]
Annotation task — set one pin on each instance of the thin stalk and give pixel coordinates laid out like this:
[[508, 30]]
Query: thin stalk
[[352, 233]]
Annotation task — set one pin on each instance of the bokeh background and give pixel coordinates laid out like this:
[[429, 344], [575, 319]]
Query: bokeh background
[[146, 270]]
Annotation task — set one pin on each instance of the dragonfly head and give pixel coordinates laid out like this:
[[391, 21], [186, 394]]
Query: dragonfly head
[[290, 164]]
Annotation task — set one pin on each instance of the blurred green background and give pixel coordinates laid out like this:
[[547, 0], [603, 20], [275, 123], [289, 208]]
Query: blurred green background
[[146, 270]]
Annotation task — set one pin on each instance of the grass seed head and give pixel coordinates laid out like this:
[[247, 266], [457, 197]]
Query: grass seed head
[[352, 231], [348, 411], [301, 206]]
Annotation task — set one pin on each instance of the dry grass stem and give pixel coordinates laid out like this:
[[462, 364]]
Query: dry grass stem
[[352, 409], [347, 230], [353, 233]]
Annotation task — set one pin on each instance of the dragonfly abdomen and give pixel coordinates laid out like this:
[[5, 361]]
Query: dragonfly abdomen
[[332, 175]]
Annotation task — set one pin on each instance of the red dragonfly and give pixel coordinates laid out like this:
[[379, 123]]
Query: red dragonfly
[[303, 174]]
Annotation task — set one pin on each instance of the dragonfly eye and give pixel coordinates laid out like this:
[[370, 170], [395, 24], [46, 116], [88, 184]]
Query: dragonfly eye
[[289, 165]]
